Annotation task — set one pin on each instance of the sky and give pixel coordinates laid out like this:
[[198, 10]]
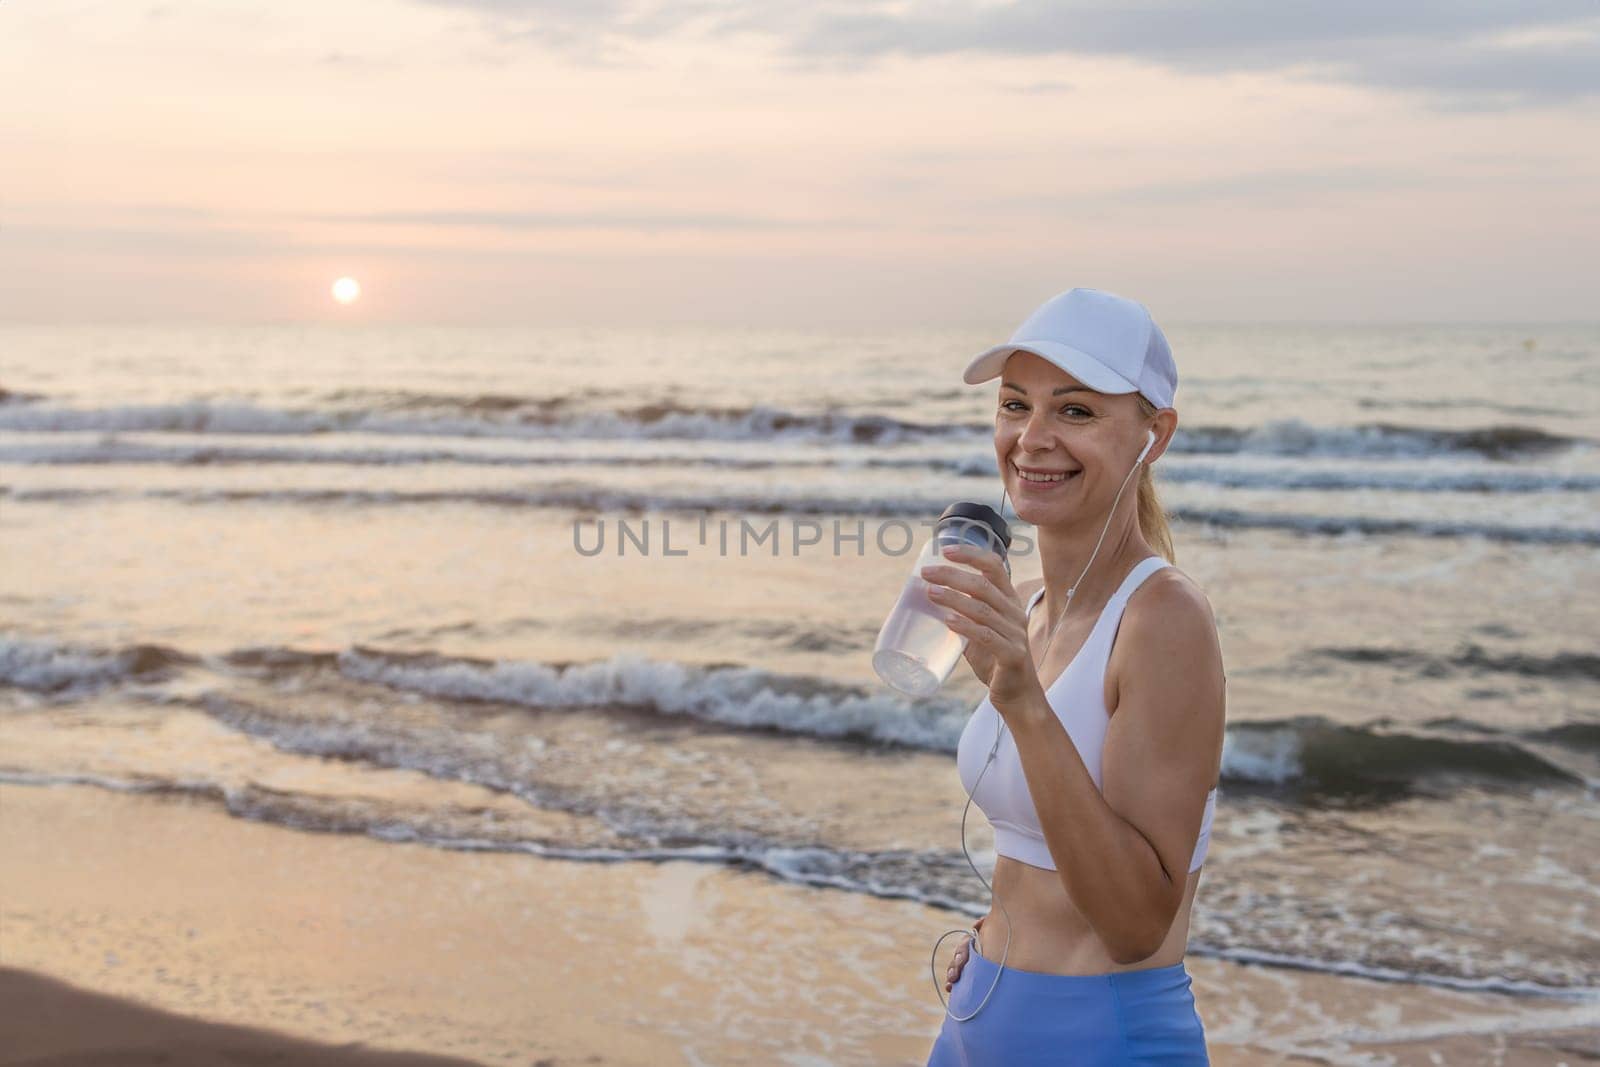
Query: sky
[[748, 162]]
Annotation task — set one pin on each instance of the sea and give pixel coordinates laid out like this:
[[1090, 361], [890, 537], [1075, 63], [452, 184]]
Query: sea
[[629, 580]]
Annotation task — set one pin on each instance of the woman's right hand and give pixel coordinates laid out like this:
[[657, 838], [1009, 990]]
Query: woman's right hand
[[958, 962]]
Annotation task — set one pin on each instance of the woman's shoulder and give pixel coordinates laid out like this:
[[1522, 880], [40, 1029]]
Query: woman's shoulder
[[1169, 621], [1026, 589], [1170, 599], [1170, 583]]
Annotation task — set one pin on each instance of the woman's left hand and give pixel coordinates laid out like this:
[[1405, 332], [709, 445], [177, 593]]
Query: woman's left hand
[[986, 610]]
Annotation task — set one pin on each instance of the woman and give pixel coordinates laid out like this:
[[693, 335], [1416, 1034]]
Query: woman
[[1097, 751]]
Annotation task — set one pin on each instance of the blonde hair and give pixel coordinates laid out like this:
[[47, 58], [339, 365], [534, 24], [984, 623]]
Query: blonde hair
[[1152, 516]]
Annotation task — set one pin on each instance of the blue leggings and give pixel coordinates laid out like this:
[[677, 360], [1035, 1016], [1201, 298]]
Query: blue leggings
[[1101, 1020]]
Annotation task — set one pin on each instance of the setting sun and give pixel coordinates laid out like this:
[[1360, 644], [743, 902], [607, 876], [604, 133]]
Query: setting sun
[[346, 290]]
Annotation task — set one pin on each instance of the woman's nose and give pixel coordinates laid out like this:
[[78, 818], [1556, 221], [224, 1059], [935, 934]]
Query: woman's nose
[[1035, 435]]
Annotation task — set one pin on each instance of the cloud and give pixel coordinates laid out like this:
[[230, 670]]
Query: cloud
[[553, 220], [1461, 53], [1265, 188], [1043, 87], [185, 228]]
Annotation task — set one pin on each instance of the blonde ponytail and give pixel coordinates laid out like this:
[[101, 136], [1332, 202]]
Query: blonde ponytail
[[1152, 516]]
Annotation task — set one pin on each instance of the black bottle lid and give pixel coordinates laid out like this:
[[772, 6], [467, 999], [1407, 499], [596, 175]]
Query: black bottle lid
[[968, 509]]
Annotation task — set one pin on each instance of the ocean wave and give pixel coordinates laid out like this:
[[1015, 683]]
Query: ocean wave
[[1467, 658], [1306, 752], [1312, 759], [110, 450], [47, 667], [1304, 756], [649, 422], [499, 416], [1388, 478], [1309, 753], [1262, 928], [1396, 480], [1378, 526], [1296, 437], [728, 695], [584, 497]]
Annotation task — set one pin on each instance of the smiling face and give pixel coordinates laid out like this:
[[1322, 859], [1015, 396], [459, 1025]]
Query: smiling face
[[1062, 448]]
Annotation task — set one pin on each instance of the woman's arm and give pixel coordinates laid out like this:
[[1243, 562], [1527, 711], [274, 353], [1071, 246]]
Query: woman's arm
[[1123, 851]]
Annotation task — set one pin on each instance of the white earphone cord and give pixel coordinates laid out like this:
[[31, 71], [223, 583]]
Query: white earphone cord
[[1000, 726]]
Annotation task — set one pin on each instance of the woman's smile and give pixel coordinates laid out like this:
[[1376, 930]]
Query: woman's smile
[[1036, 480]]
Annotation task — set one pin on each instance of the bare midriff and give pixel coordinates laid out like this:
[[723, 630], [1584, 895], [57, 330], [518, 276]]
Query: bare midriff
[[1050, 935]]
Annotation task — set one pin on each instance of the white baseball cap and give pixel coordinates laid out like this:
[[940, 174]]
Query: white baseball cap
[[1107, 342]]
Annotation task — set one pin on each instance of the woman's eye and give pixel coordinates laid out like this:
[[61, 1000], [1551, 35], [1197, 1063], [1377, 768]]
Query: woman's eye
[[1076, 410]]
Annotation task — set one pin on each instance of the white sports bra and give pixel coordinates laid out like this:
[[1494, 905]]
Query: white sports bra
[[1077, 696]]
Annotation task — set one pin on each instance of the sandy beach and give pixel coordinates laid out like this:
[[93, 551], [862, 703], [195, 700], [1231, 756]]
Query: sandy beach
[[466, 465], [47, 1021], [177, 908]]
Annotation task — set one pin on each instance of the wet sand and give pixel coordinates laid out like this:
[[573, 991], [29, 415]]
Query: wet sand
[[194, 920]]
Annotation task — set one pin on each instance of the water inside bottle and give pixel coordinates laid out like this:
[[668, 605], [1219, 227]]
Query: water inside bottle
[[917, 650]]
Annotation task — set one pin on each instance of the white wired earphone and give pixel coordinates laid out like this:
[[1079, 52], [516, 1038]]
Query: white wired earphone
[[1149, 443]]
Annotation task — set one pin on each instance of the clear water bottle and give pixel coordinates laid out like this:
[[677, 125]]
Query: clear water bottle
[[916, 649]]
